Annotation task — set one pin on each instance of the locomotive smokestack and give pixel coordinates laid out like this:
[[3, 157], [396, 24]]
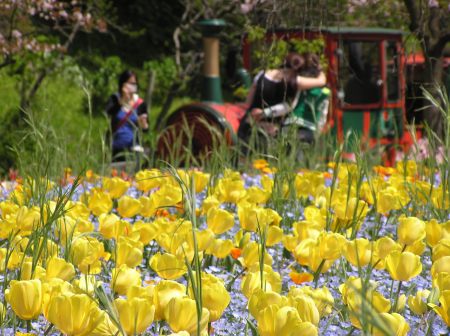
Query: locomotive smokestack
[[212, 89]]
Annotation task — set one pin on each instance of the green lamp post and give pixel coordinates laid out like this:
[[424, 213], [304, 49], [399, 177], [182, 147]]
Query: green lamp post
[[212, 90]]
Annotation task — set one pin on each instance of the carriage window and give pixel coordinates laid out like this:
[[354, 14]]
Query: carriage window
[[392, 59], [359, 72]]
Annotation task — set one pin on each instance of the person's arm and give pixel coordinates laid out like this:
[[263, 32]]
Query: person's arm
[[306, 83], [143, 116], [277, 110]]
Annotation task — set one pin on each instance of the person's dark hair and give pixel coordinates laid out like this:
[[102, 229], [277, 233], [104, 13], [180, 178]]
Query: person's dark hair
[[292, 65], [294, 61], [312, 66], [124, 77]]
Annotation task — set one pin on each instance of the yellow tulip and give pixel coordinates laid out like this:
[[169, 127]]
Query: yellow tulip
[[257, 195], [115, 186], [166, 196], [247, 216], [59, 268], [181, 314], [307, 254], [349, 211], [306, 308], [123, 278], [208, 203], [129, 252], [410, 230], [384, 246], [100, 202], [395, 323], [418, 302], [164, 291], [201, 180], [220, 248], [307, 182], [86, 253], [105, 328], [260, 299], [149, 179], [403, 266], [181, 333], [66, 228], [219, 220], [128, 207], [271, 280], [86, 284], [74, 314], [27, 219], [373, 302], [51, 289], [110, 226], [306, 229], [215, 297], [417, 248], [147, 231], [442, 265], [444, 309], [434, 232], [408, 168], [330, 245], [441, 249], [359, 252], [322, 297], [275, 320], [274, 235], [148, 207], [168, 266], [205, 239], [27, 273], [266, 319], [250, 255], [230, 190], [441, 281], [147, 292], [25, 298], [77, 210], [135, 314], [290, 242], [388, 199], [2, 312]]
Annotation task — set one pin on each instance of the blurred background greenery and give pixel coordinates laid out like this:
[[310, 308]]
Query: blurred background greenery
[[64, 82]]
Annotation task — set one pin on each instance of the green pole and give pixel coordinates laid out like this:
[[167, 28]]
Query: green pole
[[212, 88]]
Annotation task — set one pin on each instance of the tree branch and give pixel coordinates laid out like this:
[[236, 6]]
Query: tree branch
[[8, 61], [438, 48], [433, 22], [414, 15]]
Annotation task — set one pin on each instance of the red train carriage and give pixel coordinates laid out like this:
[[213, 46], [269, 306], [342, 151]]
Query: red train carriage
[[365, 74]]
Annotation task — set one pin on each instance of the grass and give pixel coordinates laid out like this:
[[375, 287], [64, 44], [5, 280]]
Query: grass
[[62, 114]]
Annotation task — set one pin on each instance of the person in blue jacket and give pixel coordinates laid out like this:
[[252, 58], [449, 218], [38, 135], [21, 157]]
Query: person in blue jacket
[[128, 114]]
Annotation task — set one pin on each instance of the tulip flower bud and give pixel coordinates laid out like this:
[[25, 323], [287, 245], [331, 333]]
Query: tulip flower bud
[[25, 298]]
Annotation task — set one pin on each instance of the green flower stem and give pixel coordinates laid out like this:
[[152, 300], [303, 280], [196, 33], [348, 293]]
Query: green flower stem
[[397, 297], [317, 273]]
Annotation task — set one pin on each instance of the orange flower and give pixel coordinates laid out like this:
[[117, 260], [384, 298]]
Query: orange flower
[[260, 164], [124, 175], [327, 175], [162, 213], [299, 278], [114, 172], [384, 171], [269, 170], [236, 252]]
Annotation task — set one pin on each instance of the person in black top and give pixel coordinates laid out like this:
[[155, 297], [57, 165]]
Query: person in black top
[[271, 91], [128, 114]]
